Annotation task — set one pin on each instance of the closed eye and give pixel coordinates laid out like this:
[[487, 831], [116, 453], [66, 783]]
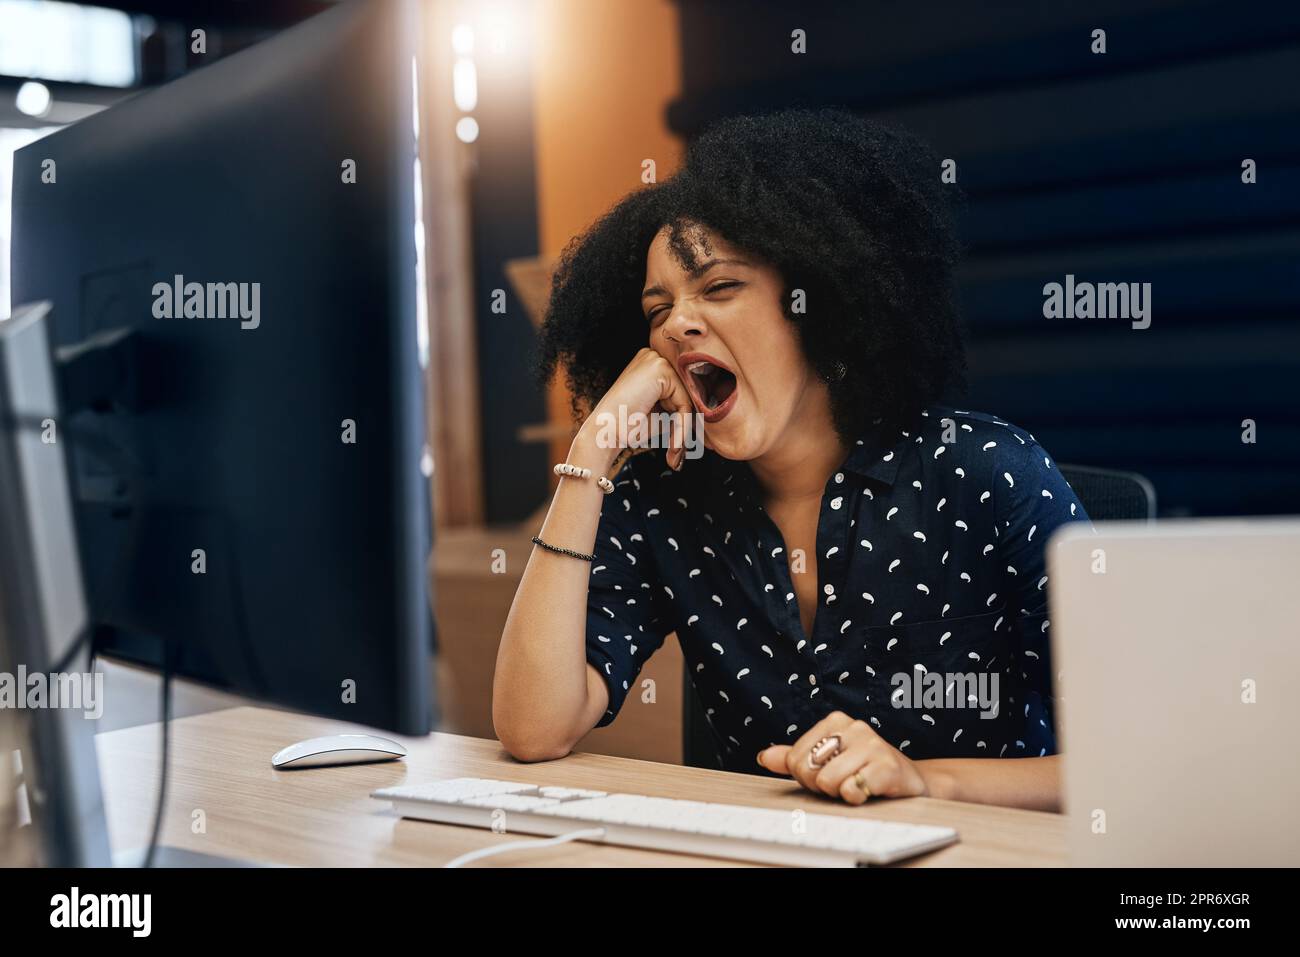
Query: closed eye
[[717, 287]]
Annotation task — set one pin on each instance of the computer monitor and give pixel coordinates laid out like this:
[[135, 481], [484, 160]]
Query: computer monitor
[[232, 264], [42, 605]]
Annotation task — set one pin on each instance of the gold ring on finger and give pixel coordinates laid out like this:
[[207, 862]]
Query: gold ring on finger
[[862, 785]]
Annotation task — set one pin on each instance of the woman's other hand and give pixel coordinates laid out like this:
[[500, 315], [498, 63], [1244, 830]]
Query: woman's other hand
[[866, 765]]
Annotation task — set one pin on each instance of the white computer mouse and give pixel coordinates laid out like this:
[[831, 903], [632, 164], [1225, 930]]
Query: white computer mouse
[[338, 749]]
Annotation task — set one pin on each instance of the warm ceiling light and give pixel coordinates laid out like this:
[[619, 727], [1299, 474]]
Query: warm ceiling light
[[467, 129], [464, 85]]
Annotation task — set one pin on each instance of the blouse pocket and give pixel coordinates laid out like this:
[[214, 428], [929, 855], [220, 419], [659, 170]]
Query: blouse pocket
[[971, 643]]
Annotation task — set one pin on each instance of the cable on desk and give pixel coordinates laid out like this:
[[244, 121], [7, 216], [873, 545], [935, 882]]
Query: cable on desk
[[584, 833]]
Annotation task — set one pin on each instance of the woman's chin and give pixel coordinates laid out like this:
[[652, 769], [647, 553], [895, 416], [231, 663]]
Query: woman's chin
[[729, 440]]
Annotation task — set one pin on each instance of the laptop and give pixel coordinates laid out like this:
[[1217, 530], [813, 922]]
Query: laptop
[[1177, 658]]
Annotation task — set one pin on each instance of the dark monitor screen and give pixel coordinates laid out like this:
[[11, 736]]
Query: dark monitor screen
[[256, 508]]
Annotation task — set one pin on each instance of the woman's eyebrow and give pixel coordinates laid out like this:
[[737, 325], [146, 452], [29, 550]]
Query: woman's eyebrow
[[696, 273], [704, 267]]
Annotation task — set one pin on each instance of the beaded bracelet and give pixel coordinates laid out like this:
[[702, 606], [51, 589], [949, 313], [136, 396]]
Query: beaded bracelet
[[564, 468], [576, 471], [537, 540]]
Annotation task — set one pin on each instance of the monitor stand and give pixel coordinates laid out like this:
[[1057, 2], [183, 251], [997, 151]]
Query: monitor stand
[[166, 856]]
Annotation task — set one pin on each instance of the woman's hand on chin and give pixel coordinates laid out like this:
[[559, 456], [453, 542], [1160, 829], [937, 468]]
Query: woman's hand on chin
[[865, 764], [648, 384]]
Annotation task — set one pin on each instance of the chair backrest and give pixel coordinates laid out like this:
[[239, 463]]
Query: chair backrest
[[1107, 495]]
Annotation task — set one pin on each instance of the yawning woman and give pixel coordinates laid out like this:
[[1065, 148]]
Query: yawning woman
[[854, 568]]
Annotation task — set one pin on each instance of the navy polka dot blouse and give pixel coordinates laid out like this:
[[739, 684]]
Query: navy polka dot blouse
[[932, 623]]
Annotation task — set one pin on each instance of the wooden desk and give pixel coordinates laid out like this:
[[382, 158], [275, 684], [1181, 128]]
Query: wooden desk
[[221, 766]]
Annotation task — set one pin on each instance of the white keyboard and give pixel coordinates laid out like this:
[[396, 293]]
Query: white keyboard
[[663, 824]]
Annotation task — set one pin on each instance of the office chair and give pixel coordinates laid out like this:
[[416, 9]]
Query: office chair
[[1107, 495]]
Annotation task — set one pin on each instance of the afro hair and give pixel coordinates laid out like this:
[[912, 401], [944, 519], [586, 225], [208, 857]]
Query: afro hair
[[849, 211]]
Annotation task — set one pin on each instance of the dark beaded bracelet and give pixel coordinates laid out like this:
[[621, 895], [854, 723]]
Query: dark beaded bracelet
[[562, 551]]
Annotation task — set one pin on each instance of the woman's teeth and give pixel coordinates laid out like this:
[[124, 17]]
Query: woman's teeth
[[713, 383]]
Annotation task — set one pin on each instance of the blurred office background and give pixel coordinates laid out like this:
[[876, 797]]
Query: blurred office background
[[1122, 166]]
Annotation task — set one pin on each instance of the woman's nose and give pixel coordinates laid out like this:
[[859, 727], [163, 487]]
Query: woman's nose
[[683, 322]]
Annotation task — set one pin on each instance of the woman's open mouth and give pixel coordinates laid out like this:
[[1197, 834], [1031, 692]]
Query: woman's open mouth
[[712, 385]]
